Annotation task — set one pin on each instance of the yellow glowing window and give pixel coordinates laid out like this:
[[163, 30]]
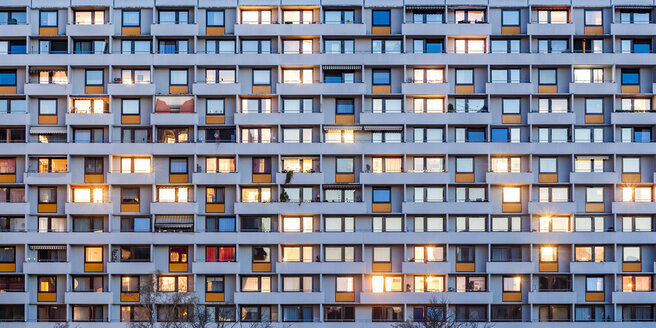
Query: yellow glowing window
[[88, 195], [135, 165], [93, 254], [511, 195], [344, 284], [429, 284], [298, 224], [512, 284], [554, 224], [548, 254]]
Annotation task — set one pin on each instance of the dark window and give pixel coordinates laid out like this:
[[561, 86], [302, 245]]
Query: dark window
[[382, 195], [135, 224], [387, 313], [339, 313], [345, 106], [220, 224], [630, 76], [93, 165], [7, 78], [262, 165], [135, 253]]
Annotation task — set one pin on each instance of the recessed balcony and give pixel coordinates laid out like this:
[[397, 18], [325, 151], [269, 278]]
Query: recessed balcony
[[549, 297], [88, 298], [552, 207], [135, 89], [551, 118], [632, 29], [447, 207], [216, 88], [296, 29], [604, 88], [550, 29], [405, 178], [47, 89], [174, 29], [509, 88], [89, 30], [130, 268], [510, 267], [301, 208]]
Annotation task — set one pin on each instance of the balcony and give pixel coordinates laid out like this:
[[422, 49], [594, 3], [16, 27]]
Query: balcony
[[299, 88], [173, 29], [165, 118], [35, 178], [552, 208], [207, 89], [605, 88], [634, 297], [593, 267], [47, 267], [550, 29], [447, 207], [510, 267], [405, 178], [87, 208], [130, 268], [49, 89], [14, 208], [173, 208], [89, 119], [482, 29], [88, 298], [425, 88], [622, 118], [278, 118], [301, 208], [15, 119], [634, 207], [278, 298], [425, 267], [593, 177], [137, 89], [509, 178], [216, 178], [295, 29], [89, 30], [131, 178], [214, 267], [302, 178], [18, 30], [551, 118], [555, 297], [343, 88], [14, 298], [509, 88], [633, 29]]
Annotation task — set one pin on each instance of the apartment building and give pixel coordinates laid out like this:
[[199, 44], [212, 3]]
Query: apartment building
[[329, 163]]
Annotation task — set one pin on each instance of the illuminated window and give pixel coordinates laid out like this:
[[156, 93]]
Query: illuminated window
[[631, 254], [506, 164], [428, 75], [297, 17], [554, 224], [589, 254], [512, 194], [93, 255], [302, 76], [173, 194], [548, 254], [135, 165], [255, 195], [298, 224], [387, 224], [88, 194], [428, 254], [512, 284], [470, 46], [636, 284], [428, 224], [384, 284], [429, 284], [297, 254], [256, 16], [339, 136], [173, 284], [344, 284], [470, 284], [220, 165]]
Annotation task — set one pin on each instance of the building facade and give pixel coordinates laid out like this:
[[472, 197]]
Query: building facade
[[329, 163]]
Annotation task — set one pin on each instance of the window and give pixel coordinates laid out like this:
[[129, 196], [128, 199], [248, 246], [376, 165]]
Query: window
[[96, 17], [386, 137], [344, 284], [381, 77], [386, 46], [512, 284], [464, 76], [380, 18], [297, 17], [554, 224], [135, 47], [47, 195], [470, 224], [297, 254], [552, 105], [554, 283], [256, 224], [11, 106], [638, 223], [428, 135], [509, 75], [381, 195], [470, 284], [135, 76], [428, 46], [387, 224], [131, 18], [381, 284], [464, 165], [48, 18], [510, 17], [636, 284], [589, 224], [219, 47], [387, 105], [178, 165], [636, 46], [553, 46], [427, 17], [552, 16], [339, 136], [135, 254], [548, 254], [178, 77], [7, 78], [219, 224], [553, 135], [221, 253], [428, 194], [547, 76], [177, 284], [428, 105], [173, 194], [512, 195], [469, 16], [93, 254], [256, 195], [339, 313], [553, 194], [339, 224], [505, 135], [173, 46], [130, 106], [13, 47], [135, 224], [631, 254], [256, 46], [507, 224], [506, 164], [594, 194], [219, 76], [387, 164], [587, 135], [589, 254], [47, 284], [339, 46], [297, 47], [630, 76], [12, 283], [256, 16], [88, 224], [173, 17], [593, 17], [428, 75], [551, 313], [428, 224], [215, 18], [13, 17], [261, 77], [470, 46], [94, 77], [505, 46], [298, 76], [338, 17], [12, 195], [387, 313], [428, 254], [261, 255], [298, 224], [339, 253], [635, 17], [88, 194]]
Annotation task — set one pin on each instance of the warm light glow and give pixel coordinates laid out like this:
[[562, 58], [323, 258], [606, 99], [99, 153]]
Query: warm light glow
[[97, 195], [377, 284], [511, 194], [627, 194]]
